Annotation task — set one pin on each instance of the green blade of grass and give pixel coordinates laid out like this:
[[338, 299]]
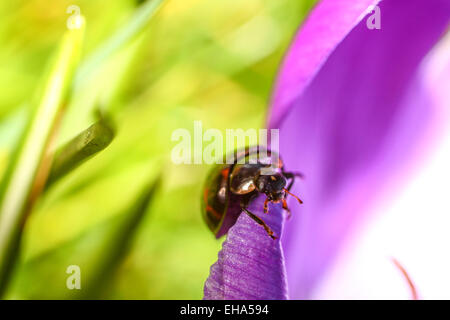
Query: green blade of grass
[[99, 251], [119, 243], [18, 186], [101, 75], [136, 24], [89, 142]]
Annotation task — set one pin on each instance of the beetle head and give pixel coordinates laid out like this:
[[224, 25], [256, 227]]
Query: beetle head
[[272, 186]]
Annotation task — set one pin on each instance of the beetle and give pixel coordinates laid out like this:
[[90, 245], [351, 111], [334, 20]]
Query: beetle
[[230, 188]]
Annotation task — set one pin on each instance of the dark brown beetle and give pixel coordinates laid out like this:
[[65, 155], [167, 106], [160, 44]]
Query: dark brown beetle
[[230, 188]]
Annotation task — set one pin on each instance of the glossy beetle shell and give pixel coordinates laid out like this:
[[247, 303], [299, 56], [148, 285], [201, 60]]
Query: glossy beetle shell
[[216, 196], [220, 206]]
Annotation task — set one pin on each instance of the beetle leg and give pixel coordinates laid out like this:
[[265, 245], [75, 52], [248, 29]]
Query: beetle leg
[[298, 199], [260, 222], [285, 207], [291, 176], [266, 208]]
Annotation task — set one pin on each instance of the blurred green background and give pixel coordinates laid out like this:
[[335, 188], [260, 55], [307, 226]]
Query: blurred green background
[[209, 60]]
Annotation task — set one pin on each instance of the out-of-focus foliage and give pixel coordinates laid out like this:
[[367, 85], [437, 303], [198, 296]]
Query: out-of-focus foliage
[[206, 60]]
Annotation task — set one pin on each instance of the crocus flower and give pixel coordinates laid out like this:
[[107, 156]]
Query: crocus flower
[[358, 110], [251, 264]]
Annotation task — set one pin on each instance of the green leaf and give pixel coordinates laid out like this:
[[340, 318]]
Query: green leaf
[[89, 142], [101, 76], [16, 193], [119, 243], [124, 35], [98, 249]]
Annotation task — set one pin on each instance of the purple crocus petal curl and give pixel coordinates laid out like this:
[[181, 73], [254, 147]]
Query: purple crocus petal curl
[[324, 29], [355, 116], [251, 264]]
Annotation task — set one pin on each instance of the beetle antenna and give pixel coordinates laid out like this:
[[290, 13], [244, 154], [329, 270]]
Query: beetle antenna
[[287, 191]]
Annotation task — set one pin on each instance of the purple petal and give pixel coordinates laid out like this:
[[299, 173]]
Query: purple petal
[[355, 115], [251, 264], [324, 29]]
